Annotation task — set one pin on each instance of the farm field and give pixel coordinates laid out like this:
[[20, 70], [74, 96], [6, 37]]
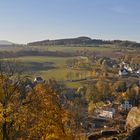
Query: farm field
[[53, 67], [48, 68], [76, 48]]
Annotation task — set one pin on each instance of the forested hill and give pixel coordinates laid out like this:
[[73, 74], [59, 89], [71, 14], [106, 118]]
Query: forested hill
[[84, 41]]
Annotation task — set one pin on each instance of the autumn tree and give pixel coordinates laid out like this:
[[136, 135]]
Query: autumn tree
[[42, 118], [102, 87], [133, 93], [10, 96], [120, 86], [37, 113], [92, 94]]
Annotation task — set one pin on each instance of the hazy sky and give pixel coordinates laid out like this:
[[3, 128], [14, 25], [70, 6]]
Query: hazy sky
[[22, 21]]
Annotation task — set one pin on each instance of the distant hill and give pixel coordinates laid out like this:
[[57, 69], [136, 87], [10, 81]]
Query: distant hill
[[5, 42], [84, 41], [68, 41]]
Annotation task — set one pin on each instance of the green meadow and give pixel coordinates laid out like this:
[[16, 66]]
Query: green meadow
[[48, 68], [76, 48], [55, 67]]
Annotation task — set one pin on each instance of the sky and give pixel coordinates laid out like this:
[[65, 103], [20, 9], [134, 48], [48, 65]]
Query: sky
[[23, 21]]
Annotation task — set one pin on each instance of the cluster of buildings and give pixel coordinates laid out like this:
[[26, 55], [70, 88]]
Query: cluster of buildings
[[110, 112], [127, 70]]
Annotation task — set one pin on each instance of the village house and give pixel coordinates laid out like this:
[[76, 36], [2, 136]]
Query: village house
[[106, 113], [129, 69], [138, 72], [123, 72], [126, 66], [126, 106], [38, 80]]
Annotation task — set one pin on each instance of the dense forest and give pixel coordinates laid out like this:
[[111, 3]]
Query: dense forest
[[84, 41]]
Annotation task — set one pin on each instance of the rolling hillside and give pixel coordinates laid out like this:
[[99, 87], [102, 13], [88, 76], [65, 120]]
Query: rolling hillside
[[82, 41]]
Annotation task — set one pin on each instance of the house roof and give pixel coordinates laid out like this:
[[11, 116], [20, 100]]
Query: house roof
[[39, 78]]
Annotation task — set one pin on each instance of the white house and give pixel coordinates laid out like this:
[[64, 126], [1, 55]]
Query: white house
[[106, 114], [126, 66], [130, 69], [124, 63], [123, 72], [39, 80], [138, 72]]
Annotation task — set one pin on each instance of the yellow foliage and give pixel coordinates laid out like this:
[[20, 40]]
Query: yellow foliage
[[91, 107], [93, 73]]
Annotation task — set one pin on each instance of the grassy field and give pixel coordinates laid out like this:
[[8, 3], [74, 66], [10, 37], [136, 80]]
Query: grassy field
[[77, 48], [48, 67], [58, 61], [55, 67]]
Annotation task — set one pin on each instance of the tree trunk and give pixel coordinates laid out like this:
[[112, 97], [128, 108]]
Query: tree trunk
[[5, 134]]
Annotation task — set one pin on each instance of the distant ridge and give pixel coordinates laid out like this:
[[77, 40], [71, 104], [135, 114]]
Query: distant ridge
[[5, 42], [82, 41]]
